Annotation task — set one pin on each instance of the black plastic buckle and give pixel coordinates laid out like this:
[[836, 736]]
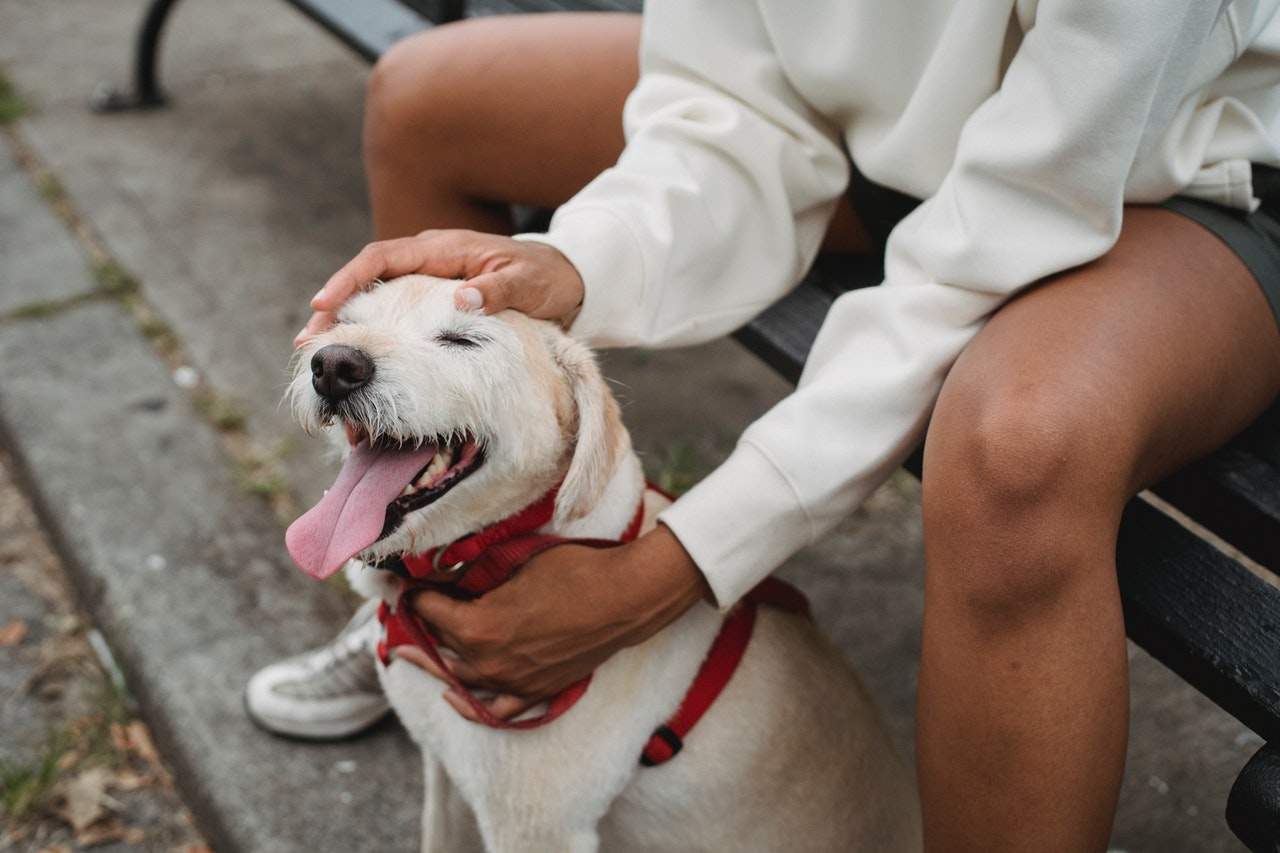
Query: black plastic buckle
[[672, 740]]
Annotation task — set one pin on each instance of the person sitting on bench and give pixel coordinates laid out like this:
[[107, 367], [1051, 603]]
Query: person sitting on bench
[[1078, 214]]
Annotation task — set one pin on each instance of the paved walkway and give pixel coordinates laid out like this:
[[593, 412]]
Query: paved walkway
[[229, 209]]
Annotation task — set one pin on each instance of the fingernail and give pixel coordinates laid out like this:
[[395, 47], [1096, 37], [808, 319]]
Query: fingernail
[[319, 293], [409, 653], [469, 297]]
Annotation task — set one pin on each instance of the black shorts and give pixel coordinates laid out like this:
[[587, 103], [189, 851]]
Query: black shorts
[[1254, 237]]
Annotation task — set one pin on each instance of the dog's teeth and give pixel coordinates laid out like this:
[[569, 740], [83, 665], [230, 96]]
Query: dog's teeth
[[408, 490], [438, 466]]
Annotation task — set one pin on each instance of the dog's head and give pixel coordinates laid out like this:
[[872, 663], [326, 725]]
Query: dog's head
[[453, 420]]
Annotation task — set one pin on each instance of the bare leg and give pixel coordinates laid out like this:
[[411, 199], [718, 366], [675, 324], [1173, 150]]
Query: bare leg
[[466, 119], [1075, 396]]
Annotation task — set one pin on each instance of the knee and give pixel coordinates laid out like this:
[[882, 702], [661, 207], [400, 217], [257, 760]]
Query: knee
[[1022, 485], [412, 97]]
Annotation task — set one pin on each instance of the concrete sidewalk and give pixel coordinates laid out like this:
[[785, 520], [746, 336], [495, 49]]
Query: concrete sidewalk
[[231, 208]]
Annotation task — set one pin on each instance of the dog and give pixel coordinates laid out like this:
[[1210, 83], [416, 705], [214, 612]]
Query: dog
[[453, 421]]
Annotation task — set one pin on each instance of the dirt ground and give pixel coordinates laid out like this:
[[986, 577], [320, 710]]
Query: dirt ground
[[77, 770]]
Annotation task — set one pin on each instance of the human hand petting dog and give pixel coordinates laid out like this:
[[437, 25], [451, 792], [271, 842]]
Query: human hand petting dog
[[499, 272], [569, 610]]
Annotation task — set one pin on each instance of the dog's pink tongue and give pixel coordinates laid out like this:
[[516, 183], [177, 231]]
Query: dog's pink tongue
[[350, 516]]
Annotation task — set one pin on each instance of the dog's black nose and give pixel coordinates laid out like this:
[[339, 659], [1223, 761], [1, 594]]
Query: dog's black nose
[[337, 370]]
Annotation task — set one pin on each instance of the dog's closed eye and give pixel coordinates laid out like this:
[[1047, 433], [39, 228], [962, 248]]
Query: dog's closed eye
[[458, 339]]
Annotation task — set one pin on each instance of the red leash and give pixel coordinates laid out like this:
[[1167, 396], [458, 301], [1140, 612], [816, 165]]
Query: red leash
[[483, 561]]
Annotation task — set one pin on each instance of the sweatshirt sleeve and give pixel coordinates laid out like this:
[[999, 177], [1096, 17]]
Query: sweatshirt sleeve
[[721, 198], [1036, 187]]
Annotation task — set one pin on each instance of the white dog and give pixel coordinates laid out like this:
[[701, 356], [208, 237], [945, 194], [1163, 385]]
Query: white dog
[[459, 420]]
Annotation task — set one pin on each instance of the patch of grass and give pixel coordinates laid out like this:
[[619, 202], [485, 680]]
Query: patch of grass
[[111, 709], [679, 468], [51, 188], [113, 279], [46, 308], [264, 484], [37, 310], [12, 106], [260, 472], [154, 329], [25, 788], [223, 412]]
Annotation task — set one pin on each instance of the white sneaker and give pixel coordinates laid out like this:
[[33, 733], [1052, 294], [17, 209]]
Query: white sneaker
[[327, 693]]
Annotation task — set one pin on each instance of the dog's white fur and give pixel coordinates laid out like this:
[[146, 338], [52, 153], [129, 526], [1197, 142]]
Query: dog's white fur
[[791, 756]]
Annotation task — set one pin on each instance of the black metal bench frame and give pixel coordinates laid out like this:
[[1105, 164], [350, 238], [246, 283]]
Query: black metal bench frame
[[1201, 612]]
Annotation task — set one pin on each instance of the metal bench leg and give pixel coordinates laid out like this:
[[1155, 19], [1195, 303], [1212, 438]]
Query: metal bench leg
[[1253, 807], [146, 92]]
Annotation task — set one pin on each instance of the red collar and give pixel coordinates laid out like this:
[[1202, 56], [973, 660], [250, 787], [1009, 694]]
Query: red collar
[[482, 561]]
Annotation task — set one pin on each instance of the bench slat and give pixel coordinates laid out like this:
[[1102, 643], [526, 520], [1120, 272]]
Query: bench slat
[[1203, 615], [369, 27], [506, 7], [1235, 493], [783, 334]]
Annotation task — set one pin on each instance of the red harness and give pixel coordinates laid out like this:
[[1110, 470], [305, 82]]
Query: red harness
[[476, 564]]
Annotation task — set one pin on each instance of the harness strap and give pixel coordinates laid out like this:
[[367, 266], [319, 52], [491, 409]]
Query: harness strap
[[483, 561], [405, 627], [471, 547], [719, 666]]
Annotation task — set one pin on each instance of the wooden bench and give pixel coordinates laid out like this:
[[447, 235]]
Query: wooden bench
[[1210, 617]]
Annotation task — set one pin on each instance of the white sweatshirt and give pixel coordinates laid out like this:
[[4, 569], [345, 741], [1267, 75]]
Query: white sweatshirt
[[1026, 125]]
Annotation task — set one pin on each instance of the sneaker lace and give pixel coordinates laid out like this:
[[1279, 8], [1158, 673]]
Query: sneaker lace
[[343, 667]]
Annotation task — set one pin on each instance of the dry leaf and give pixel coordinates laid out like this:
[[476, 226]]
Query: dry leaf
[[107, 832], [58, 849], [193, 848], [13, 633], [84, 798], [141, 744], [129, 780], [119, 738]]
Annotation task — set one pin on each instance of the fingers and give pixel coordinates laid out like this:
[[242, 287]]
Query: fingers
[[319, 321], [504, 706], [385, 259], [420, 659], [446, 254], [498, 273], [461, 705], [491, 292], [444, 614]]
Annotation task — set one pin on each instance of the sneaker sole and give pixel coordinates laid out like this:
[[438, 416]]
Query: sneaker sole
[[319, 730]]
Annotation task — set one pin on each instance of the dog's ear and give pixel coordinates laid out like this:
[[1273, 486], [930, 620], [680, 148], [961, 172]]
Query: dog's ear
[[599, 437]]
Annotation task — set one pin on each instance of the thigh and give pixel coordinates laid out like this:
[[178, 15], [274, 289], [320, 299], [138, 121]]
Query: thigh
[[1151, 356], [523, 109]]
